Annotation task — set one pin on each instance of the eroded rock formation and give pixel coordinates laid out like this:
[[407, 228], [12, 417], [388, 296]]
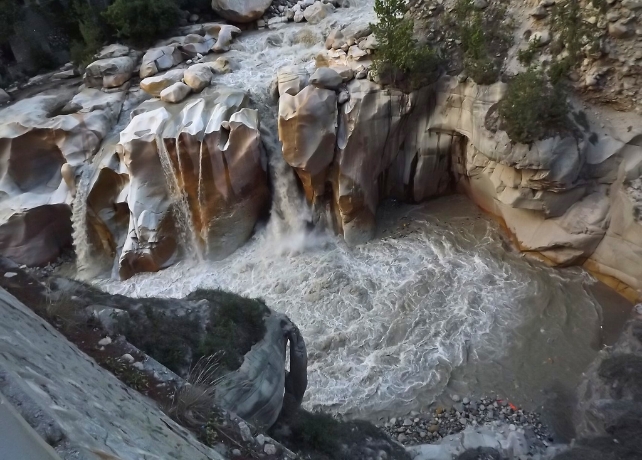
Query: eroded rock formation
[[42, 141], [191, 176], [570, 199]]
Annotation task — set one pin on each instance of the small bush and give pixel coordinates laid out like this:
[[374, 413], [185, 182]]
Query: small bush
[[142, 21], [400, 59], [235, 325], [532, 108], [9, 13], [526, 56], [166, 338], [484, 39], [93, 32]]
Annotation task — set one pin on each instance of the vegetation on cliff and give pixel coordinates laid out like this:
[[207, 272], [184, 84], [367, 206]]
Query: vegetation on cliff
[[533, 108], [484, 37], [400, 59]]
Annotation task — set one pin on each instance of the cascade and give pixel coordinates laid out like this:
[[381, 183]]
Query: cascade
[[79, 221], [181, 209]]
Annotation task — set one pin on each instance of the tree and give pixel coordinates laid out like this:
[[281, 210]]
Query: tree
[[399, 56]]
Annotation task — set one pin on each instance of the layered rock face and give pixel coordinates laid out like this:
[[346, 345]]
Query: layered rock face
[[42, 141], [572, 200], [191, 177]]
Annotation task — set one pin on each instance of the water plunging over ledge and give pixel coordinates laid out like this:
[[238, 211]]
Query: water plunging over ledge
[[436, 304]]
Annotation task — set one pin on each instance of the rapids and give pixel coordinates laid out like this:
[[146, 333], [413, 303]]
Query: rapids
[[437, 304]]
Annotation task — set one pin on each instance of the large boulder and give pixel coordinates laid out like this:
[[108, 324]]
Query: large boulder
[[109, 73], [155, 85], [224, 34], [241, 10], [198, 77], [158, 59], [190, 177], [39, 152], [317, 12], [307, 130], [175, 92]]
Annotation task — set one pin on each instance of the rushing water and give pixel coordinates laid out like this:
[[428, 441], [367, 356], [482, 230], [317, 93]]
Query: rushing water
[[436, 303]]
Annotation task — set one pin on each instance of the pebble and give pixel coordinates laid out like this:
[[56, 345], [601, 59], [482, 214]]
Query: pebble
[[236, 453], [427, 428], [127, 358], [104, 342], [270, 449]]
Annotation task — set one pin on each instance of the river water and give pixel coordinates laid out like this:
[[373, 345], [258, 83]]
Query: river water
[[437, 304]]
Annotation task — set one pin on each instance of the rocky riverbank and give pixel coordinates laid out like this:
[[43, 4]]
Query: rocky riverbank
[[417, 428]]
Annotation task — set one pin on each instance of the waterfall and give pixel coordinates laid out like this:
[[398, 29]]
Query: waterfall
[[181, 209], [79, 221]]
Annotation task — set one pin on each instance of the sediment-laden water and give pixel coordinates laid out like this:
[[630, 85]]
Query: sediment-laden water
[[437, 304]]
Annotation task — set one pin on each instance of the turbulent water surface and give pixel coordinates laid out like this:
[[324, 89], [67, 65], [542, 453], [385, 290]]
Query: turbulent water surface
[[436, 304]]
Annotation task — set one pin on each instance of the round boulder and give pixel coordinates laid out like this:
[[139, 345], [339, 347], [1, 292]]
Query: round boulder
[[241, 10]]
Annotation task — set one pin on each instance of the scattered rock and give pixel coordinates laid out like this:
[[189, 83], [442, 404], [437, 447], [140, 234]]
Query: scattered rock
[[317, 12], [4, 97], [325, 77], [155, 85], [104, 342], [175, 93], [270, 449], [109, 73], [10, 274], [127, 358], [198, 77], [620, 30], [241, 10]]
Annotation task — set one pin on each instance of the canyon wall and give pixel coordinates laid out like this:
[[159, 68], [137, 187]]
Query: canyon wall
[[571, 200]]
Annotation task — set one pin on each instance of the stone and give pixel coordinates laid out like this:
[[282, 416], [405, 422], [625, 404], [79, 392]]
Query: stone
[[298, 16], [158, 59], [156, 84], [236, 452], [632, 4], [344, 97], [113, 51], [198, 77], [307, 130], [221, 65], [480, 4], [370, 43], [10, 274], [344, 71], [270, 449], [355, 53], [260, 439], [402, 438], [539, 12], [241, 10], [4, 97], [224, 35], [325, 77], [38, 141], [175, 92], [455, 398], [542, 38], [193, 18], [291, 80], [318, 12], [127, 358], [109, 73], [233, 191], [104, 342], [620, 30]]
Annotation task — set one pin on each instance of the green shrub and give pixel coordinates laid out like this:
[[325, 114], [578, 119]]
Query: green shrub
[[526, 56], [93, 31], [142, 21], [532, 108], [400, 59], [572, 34], [236, 324], [484, 37]]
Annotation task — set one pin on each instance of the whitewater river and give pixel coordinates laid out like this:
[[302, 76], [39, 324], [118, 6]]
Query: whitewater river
[[437, 304]]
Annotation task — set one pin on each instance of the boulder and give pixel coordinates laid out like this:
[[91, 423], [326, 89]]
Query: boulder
[[241, 10], [224, 35], [325, 77], [195, 44], [190, 179], [40, 155], [109, 73], [155, 85], [158, 59], [307, 130], [176, 92], [113, 51], [220, 66], [318, 12], [291, 79], [198, 77]]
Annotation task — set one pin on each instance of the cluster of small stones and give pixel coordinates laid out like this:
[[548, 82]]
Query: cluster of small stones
[[430, 428], [282, 11]]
